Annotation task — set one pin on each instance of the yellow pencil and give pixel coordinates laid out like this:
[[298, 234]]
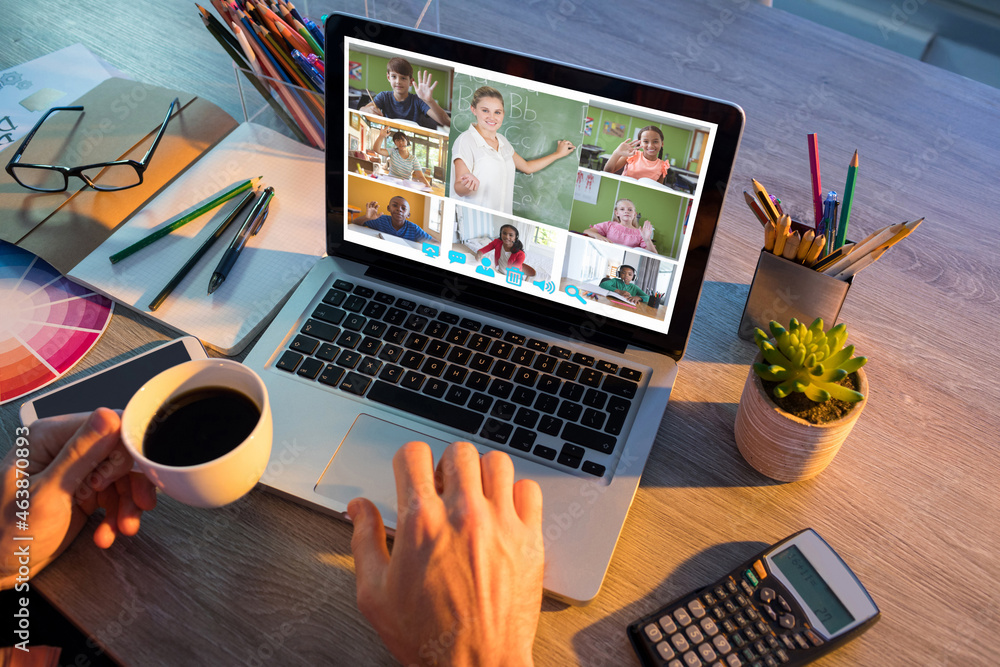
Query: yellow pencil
[[765, 200], [791, 246]]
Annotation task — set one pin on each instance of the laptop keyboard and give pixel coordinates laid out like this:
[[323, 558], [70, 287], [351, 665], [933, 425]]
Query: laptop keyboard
[[544, 400]]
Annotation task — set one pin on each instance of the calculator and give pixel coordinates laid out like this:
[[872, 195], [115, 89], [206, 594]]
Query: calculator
[[790, 604]]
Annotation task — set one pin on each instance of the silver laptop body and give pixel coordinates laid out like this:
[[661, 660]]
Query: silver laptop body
[[333, 443]]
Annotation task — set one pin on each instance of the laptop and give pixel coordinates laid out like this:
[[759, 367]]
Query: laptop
[[543, 315]]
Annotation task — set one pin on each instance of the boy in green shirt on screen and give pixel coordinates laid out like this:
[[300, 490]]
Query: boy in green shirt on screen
[[623, 285]]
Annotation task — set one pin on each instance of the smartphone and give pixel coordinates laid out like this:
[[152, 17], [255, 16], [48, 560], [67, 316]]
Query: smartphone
[[112, 387]]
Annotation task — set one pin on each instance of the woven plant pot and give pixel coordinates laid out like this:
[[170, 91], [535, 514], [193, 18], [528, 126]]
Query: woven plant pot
[[785, 447]]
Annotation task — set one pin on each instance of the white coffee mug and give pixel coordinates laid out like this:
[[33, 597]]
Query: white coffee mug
[[222, 480]]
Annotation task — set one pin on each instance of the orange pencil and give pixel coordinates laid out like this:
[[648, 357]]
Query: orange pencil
[[274, 79]]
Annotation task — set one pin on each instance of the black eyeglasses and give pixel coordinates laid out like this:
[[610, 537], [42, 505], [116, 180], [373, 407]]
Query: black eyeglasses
[[115, 175]]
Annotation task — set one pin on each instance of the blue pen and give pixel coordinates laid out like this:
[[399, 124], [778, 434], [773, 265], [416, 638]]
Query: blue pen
[[315, 31], [829, 221], [309, 70]]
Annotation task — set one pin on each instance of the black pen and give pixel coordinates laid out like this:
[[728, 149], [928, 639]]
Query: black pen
[[250, 228], [176, 280]]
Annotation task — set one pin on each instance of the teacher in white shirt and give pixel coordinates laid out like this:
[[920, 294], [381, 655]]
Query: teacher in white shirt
[[484, 161]]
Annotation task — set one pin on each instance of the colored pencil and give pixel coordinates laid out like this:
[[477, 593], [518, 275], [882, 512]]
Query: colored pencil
[[184, 219], [817, 186], [752, 203], [845, 210], [242, 63]]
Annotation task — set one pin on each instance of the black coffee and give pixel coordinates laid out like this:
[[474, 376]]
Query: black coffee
[[199, 426]]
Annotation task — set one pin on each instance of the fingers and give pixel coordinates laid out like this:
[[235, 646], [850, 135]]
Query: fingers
[[117, 464], [498, 476], [143, 492], [107, 530], [93, 441], [413, 466], [371, 555], [528, 502], [128, 513], [460, 470]]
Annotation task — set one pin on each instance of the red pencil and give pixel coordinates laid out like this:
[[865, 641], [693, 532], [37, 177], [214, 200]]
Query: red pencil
[[816, 184]]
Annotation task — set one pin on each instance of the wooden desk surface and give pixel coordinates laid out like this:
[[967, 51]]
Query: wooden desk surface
[[910, 502]]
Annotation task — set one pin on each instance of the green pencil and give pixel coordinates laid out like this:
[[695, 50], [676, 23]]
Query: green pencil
[[183, 220], [845, 208]]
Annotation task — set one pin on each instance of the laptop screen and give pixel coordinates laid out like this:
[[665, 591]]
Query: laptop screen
[[540, 186]]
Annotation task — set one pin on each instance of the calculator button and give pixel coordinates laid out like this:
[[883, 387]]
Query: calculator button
[[709, 599], [730, 606], [760, 646], [741, 620], [784, 604], [732, 660], [782, 656], [706, 652], [770, 612], [691, 659], [682, 616], [750, 634], [718, 613], [749, 654], [709, 626], [653, 632], [721, 645], [696, 608], [800, 640], [741, 601], [813, 637], [675, 663], [787, 621], [758, 568], [679, 642], [767, 595], [668, 625], [751, 613], [772, 642], [787, 641], [694, 634], [738, 640], [731, 587], [763, 629], [728, 626], [746, 587], [770, 661], [720, 592], [665, 651]]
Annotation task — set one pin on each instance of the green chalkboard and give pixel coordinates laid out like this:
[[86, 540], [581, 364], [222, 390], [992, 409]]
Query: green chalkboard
[[533, 123]]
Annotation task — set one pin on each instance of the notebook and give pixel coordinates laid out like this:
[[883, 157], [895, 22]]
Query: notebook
[[280, 254], [438, 341]]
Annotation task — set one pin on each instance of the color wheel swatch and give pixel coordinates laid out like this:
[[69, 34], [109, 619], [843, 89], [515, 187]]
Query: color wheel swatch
[[47, 322]]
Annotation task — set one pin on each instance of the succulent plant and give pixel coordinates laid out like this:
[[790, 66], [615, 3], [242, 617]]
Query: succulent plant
[[808, 360]]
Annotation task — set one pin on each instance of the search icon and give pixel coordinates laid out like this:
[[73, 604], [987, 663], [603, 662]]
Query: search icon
[[574, 292]]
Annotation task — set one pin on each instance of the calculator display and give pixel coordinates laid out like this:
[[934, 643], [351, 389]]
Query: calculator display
[[813, 589]]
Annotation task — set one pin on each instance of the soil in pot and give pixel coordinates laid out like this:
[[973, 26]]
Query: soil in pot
[[797, 404]]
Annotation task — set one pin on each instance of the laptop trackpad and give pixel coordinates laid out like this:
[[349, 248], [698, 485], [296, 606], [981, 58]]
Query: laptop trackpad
[[362, 465]]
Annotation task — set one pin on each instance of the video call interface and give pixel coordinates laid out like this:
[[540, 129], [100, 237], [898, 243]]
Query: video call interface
[[581, 200]]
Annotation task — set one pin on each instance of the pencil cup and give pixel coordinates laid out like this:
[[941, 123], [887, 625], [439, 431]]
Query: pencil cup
[[292, 110], [783, 289]]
